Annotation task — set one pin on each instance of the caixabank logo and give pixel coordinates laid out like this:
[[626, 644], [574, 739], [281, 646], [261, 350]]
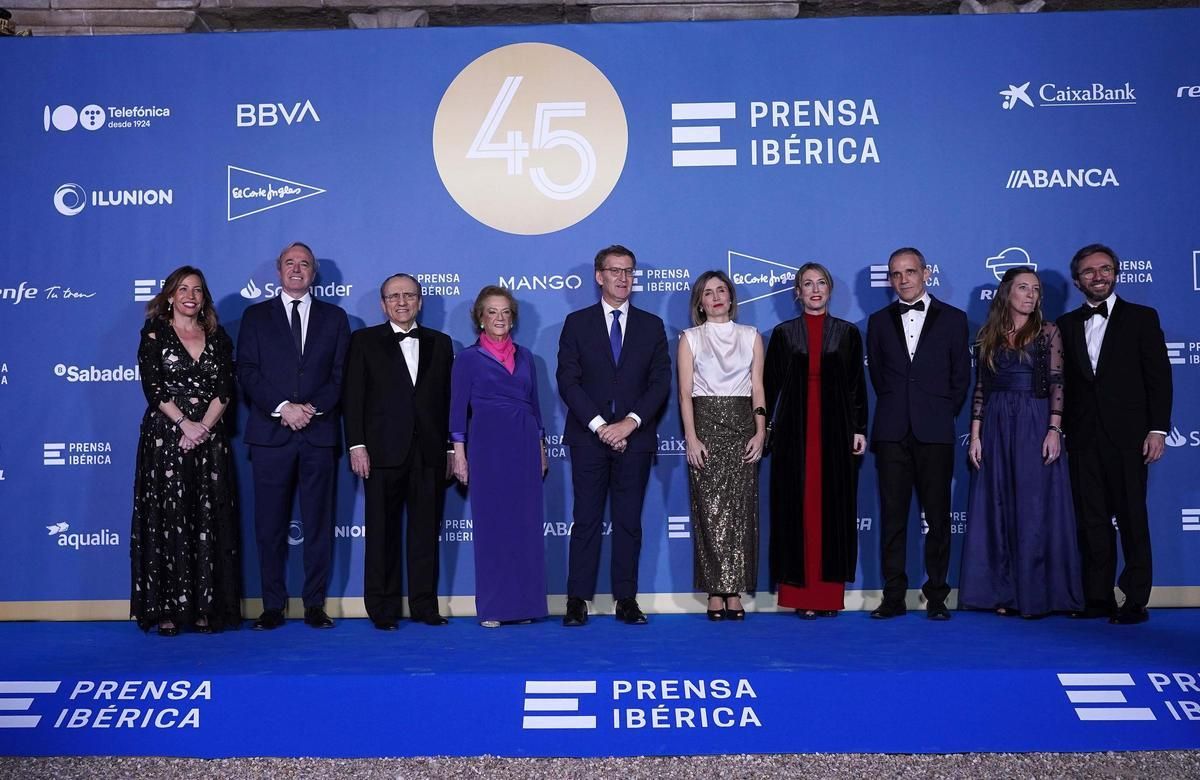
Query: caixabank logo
[[530, 138], [1054, 95], [1122, 696], [634, 704], [104, 704]]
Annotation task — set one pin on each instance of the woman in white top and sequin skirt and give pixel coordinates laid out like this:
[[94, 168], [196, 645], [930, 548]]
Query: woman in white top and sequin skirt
[[721, 401]]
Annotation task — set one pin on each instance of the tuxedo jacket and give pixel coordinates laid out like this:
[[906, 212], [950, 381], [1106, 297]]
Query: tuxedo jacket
[[271, 372], [381, 407], [591, 384], [1129, 393], [921, 395]]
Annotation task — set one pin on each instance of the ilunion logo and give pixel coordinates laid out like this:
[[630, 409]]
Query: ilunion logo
[[69, 199]]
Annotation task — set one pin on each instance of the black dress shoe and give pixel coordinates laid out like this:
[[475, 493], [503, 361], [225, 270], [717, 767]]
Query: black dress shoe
[[432, 619], [1092, 613], [937, 612], [1130, 616], [629, 613], [269, 619], [885, 611], [385, 625], [577, 613], [316, 617]]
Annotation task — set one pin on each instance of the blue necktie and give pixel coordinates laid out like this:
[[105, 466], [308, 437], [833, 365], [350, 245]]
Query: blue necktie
[[614, 336]]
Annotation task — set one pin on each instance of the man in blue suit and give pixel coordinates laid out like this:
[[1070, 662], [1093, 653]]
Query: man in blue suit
[[920, 368], [614, 373], [290, 355]]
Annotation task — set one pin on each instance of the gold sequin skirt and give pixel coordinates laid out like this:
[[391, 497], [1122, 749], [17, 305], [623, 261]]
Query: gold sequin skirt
[[724, 497]]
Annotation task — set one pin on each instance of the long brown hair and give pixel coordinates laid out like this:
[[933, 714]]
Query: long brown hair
[[993, 336], [159, 307]]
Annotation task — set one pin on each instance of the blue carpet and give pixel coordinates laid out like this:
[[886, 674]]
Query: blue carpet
[[680, 685]]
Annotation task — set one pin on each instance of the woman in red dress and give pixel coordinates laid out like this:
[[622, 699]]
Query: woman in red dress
[[817, 396]]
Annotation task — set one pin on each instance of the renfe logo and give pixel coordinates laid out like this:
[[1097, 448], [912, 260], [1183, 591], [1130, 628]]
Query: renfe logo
[[271, 114]]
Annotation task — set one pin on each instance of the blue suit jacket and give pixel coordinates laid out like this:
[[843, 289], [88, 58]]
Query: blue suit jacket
[[592, 384], [923, 394], [271, 372]]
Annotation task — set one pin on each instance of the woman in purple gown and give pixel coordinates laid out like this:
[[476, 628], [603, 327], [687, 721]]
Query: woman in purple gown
[[496, 428], [1020, 555]]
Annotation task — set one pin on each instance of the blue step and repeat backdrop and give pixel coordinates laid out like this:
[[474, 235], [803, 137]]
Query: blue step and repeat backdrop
[[510, 155]]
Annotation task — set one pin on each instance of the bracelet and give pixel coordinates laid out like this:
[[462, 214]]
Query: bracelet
[[760, 411], [182, 417], [1055, 428]]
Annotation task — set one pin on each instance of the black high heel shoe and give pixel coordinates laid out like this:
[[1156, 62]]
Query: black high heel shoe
[[171, 630], [715, 614], [734, 614]]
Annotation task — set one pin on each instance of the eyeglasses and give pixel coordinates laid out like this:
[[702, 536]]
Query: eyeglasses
[[1104, 270], [618, 273], [408, 296]]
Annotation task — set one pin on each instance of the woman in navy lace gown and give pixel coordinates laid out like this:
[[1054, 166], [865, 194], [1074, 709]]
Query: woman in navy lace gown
[[183, 544], [1020, 555]]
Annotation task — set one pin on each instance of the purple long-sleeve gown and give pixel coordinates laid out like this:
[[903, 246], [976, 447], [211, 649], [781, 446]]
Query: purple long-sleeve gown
[[497, 415]]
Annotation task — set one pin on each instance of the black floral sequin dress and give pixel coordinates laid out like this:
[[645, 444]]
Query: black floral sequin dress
[[183, 545]]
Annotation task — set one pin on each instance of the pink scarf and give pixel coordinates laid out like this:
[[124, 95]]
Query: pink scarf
[[503, 350]]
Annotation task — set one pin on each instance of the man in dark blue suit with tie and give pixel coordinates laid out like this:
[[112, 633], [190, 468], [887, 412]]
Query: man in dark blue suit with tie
[[614, 373], [290, 355], [920, 367]]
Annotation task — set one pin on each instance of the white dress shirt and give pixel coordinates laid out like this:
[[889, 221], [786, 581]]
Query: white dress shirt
[[914, 322], [1094, 328], [285, 300], [597, 421], [411, 348]]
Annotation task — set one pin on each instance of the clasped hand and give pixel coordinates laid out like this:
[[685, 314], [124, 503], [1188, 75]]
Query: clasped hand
[[192, 434], [296, 416], [616, 434]]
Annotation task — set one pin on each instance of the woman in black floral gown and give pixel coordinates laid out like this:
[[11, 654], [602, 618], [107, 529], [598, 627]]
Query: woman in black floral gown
[[184, 545]]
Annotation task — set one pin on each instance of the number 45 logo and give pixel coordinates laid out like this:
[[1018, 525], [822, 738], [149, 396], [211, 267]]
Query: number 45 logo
[[515, 151], [575, 126]]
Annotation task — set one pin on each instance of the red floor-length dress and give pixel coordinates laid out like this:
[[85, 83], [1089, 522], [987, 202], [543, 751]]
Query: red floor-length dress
[[817, 594]]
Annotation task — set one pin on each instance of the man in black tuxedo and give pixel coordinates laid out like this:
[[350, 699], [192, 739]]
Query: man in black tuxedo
[[290, 355], [396, 407], [614, 374], [1117, 385], [920, 368]]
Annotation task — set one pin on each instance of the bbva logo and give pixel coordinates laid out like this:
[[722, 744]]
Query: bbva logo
[[271, 114]]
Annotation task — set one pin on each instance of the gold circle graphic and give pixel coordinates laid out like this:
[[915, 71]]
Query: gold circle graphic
[[530, 138]]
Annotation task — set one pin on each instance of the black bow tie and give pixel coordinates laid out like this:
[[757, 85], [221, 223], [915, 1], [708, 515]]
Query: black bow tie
[[1102, 310], [401, 335], [905, 308]]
